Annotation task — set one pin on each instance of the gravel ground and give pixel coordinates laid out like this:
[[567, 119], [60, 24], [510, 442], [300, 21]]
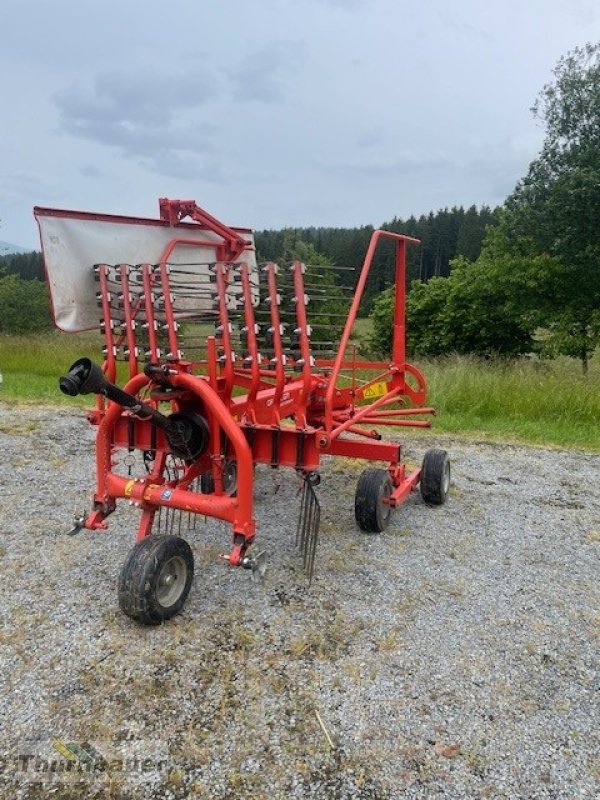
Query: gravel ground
[[453, 656]]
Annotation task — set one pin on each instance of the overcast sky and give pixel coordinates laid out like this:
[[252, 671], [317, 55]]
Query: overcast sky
[[273, 112]]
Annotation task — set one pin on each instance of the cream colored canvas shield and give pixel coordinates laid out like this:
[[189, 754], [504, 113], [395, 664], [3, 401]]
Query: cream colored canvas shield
[[72, 242]]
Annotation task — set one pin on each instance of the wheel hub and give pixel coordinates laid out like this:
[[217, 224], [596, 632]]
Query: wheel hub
[[171, 581]]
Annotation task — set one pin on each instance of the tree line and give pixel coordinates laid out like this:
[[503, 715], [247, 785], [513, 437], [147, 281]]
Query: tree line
[[444, 235], [24, 301]]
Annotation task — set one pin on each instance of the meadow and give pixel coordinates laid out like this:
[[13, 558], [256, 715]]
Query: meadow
[[546, 403]]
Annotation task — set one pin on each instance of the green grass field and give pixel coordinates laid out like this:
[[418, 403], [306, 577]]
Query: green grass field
[[545, 403], [539, 402], [31, 365]]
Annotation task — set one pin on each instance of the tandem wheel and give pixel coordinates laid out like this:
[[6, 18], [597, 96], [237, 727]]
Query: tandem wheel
[[435, 477], [156, 578], [371, 510], [230, 478]]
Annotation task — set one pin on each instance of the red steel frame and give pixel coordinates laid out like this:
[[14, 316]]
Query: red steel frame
[[321, 417]]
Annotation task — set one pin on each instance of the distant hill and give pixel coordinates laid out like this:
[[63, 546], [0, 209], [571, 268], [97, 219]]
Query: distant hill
[[6, 248]]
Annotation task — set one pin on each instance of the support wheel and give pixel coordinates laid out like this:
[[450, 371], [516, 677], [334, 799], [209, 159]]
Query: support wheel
[[435, 477], [155, 579], [207, 482], [370, 509]]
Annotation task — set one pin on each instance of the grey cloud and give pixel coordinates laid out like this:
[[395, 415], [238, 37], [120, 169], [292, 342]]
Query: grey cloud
[[486, 175], [150, 98], [500, 175], [451, 21], [345, 4], [401, 165], [370, 138], [90, 171], [143, 117], [260, 76], [499, 160], [584, 10], [186, 164], [25, 184]]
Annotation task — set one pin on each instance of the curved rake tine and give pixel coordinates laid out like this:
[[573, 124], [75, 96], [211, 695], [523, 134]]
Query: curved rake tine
[[309, 518]]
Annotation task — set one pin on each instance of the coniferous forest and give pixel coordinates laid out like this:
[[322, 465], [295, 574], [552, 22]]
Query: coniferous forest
[[444, 235]]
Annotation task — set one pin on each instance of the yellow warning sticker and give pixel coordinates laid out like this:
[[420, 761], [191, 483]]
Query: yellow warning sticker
[[129, 488], [376, 390]]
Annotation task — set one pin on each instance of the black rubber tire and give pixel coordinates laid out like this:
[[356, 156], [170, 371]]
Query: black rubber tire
[[435, 477], [140, 579], [372, 515], [207, 482]]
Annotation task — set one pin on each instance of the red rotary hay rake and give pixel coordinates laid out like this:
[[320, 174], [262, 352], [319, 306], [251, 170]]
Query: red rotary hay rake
[[198, 412]]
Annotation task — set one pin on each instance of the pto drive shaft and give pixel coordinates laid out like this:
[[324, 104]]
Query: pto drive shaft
[[85, 377], [187, 433]]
